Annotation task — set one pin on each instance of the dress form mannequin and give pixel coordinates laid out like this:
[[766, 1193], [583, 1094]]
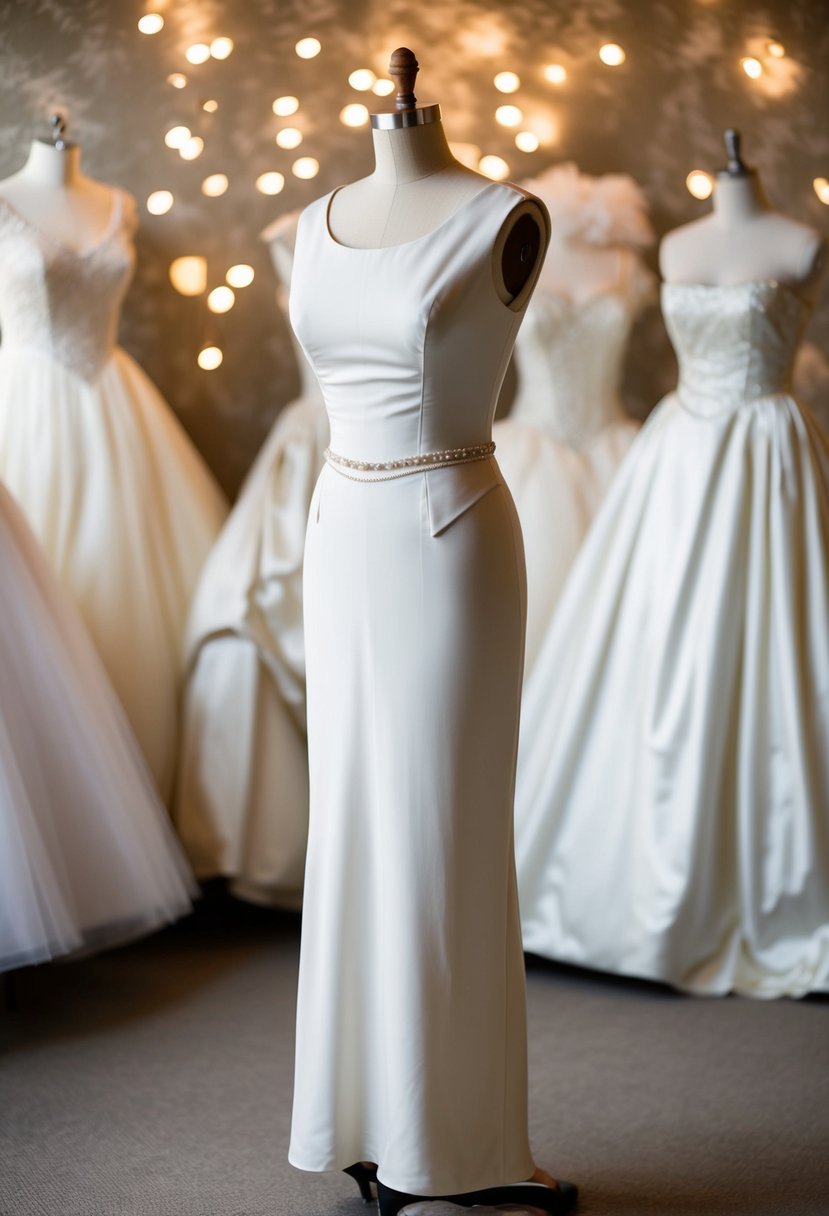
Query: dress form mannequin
[[743, 238], [417, 184], [52, 193]]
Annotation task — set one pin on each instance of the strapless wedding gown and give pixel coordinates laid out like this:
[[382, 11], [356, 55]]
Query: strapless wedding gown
[[242, 792], [411, 1034], [567, 431], [87, 856], [673, 784], [109, 482]]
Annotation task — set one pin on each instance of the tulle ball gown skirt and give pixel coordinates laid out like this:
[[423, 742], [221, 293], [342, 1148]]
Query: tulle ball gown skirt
[[411, 1046]]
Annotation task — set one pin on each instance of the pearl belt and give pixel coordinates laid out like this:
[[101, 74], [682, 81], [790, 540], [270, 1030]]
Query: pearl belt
[[388, 470]]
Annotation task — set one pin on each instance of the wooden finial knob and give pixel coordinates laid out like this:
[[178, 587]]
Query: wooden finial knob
[[403, 67]]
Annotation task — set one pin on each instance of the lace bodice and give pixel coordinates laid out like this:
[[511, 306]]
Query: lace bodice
[[569, 361], [63, 303], [734, 342]]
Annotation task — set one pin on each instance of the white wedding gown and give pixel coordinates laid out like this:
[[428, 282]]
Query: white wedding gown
[[242, 798], [567, 431], [109, 482], [673, 779], [87, 855], [411, 1030]]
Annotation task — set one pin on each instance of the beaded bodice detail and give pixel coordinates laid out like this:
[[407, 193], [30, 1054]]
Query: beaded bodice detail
[[735, 343], [569, 358], [60, 302]]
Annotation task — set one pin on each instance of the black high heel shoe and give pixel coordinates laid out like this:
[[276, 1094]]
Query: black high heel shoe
[[556, 1200], [363, 1175]]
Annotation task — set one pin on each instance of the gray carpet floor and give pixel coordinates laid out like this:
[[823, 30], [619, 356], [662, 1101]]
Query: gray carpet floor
[[156, 1081]]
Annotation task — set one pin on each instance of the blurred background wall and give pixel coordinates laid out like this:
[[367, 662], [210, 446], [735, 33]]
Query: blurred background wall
[[658, 115]]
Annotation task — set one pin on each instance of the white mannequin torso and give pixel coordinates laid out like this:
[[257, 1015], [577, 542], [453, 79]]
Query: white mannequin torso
[[52, 194], [743, 239], [416, 186]]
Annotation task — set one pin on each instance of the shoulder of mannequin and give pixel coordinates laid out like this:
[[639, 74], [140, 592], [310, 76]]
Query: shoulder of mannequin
[[673, 243]]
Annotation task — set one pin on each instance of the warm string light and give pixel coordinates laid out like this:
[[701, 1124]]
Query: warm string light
[[240, 275], [210, 106], [176, 137], [284, 107], [199, 52], [159, 202], [611, 54], [555, 73], [308, 48], [306, 167], [151, 23], [354, 115], [382, 88], [752, 67], [209, 358], [507, 82], [494, 167], [189, 274], [221, 299], [527, 141], [362, 79], [509, 116], [699, 183], [821, 188], [270, 183], [191, 148], [289, 137], [215, 185], [776, 50], [177, 79], [220, 48]]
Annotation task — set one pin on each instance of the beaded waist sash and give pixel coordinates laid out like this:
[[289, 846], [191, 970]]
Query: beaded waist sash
[[388, 470]]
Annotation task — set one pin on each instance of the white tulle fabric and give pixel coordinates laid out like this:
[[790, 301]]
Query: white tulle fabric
[[567, 431], [411, 1033], [242, 798], [113, 489], [87, 855], [674, 769]]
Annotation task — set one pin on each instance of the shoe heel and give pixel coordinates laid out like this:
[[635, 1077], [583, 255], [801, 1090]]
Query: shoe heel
[[363, 1175], [390, 1202]]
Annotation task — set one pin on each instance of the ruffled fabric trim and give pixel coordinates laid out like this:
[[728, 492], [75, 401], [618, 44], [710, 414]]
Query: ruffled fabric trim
[[607, 210]]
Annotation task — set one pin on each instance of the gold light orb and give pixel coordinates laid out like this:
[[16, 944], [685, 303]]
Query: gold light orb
[[189, 275], [821, 188], [151, 23], [354, 115], [215, 185], [507, 82], [240, 275], [209, 358], [178, 80], [177, 137], [306, 167], [362, 79], [382, 88], [159, 202], [191, 148], [555, 73], [220, 48], [289, 137], [752, 67], [308, 48], [612, 54], [270, 183], [283, 107], [221, 299], [494, 166], [199, 52], [509, 116], [527, 141], [210, 106], [776, 50], [699, 183]]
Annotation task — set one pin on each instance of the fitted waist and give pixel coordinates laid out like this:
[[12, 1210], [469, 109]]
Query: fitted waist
[[404, 466], [717, 395]]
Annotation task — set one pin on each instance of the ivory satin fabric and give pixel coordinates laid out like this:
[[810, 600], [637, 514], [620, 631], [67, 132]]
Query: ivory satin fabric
[[87, 855], [567, 432], [411, 1034], [109, 482], [672, 806]]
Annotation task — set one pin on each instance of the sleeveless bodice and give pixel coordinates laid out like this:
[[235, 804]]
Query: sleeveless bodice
[[410, 342], [63, 303], [569, 359], [734, 342]]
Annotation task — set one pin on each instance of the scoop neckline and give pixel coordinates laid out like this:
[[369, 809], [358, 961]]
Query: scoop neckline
[[62, 246], [400, 244]]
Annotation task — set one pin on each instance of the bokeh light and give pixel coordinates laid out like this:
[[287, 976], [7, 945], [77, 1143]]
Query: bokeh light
[[289, 137], [354, 115], [306, 167], [176, 137], [159, 202], [151, 23], [283, 107], [215, 185], [308, 48], [382, 88], [699, 183], [507, 82], [199, 52], [177, 79], [821, 188], [612, 54], [221, 299], [240, 275], [527, 141], [509, 116], [494, 166], [752, 67], [270, 183], [555, 73], [220, 48], [362, 79], [209, 358], [191, 148], [189, 275], [210, 106]]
